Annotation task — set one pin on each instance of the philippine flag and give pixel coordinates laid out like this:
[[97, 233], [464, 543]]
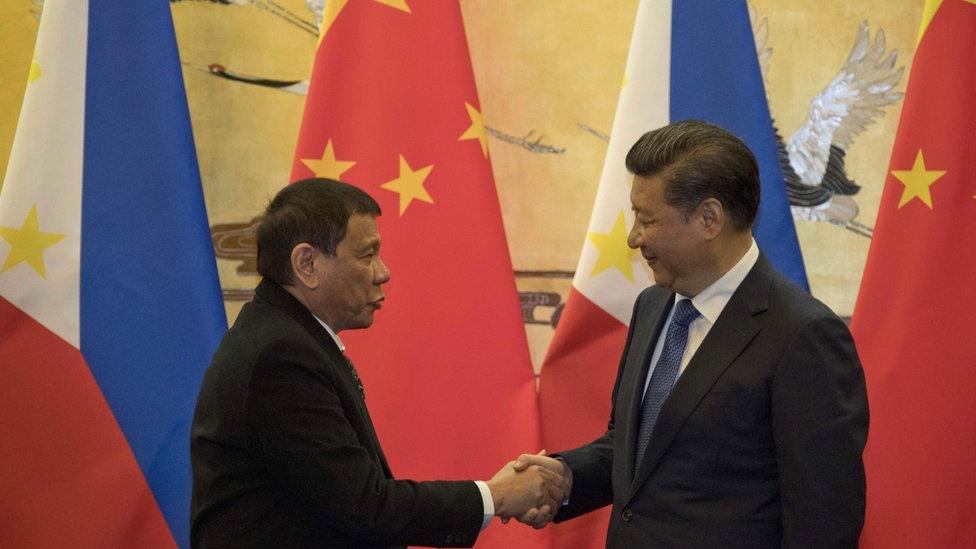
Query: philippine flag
[[110, 306], [688, 59]]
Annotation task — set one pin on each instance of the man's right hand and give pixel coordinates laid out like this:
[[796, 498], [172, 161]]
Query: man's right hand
[[535, 517], [529, 488]]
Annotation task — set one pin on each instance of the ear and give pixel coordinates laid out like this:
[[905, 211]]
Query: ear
[[712, 217], [303, 265]]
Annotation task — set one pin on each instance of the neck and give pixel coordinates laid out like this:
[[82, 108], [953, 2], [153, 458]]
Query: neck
[[298, 293], [725, 254]]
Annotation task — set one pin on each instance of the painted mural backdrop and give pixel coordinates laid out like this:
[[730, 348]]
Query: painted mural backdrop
[[549, 74]]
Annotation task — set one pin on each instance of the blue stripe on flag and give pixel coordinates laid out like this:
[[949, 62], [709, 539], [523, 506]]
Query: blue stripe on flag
[[151, 309], [715, 77]]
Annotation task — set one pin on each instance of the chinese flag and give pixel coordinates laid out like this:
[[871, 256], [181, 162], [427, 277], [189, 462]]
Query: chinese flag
[[392, 107], [916, 313]]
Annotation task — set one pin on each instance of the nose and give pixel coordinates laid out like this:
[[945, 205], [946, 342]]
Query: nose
[[382, 274], [633, 237]]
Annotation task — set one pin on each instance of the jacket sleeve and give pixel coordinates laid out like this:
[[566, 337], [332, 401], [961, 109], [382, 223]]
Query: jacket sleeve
[[820, 424], [592, 464], [298, 428]]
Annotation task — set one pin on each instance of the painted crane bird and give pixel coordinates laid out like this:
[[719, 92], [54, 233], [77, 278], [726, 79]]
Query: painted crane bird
[[816, 180]]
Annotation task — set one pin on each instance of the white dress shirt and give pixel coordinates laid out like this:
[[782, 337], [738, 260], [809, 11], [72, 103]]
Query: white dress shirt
[[710, 302], [486, 501]]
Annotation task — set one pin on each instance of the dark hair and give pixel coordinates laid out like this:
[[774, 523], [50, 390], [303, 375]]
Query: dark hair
[[315, 211], [696, 160]]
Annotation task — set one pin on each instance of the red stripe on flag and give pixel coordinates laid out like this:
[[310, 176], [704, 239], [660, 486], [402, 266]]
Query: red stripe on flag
[[67, 476], [578, 374], [575, 393]]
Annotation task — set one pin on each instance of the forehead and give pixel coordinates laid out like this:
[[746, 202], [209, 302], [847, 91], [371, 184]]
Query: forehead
[[647, 192]]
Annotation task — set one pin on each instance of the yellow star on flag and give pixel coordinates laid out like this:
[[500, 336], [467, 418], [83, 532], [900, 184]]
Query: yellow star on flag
[[476, 130], [917, 181], [328, 166], [398, 4], [410, 184], [35, 70], [28, 244], [614, 252], [334, 7]]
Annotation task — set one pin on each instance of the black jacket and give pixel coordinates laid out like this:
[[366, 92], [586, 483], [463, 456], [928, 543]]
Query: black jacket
[[284, 453], [759, 443]]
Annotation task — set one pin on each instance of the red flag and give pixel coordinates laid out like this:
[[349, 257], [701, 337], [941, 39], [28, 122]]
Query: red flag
[[392, 107], [916, 311]]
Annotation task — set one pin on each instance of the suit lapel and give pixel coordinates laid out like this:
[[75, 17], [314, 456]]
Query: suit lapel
[[732, 332], [638, 363]]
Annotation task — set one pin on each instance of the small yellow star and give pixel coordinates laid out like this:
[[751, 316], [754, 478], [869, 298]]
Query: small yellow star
[[35, 70], [328, 166], [28, 244], [398, 4], [613, 249], [917, 181], [476, 130], [334, 7], [410, 184]]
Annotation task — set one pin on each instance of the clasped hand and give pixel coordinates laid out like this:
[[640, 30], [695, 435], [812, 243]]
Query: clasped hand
[[531, 489]]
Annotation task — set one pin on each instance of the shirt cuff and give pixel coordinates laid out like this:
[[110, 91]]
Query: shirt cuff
[[489, 504]]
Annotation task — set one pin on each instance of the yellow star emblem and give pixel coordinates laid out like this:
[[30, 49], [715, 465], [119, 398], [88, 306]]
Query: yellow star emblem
[[476, 130], [35, 70], [410, 184], [334, 7], [398, 4], [328, 166], [28, 244], [917, 181], [614, 252]]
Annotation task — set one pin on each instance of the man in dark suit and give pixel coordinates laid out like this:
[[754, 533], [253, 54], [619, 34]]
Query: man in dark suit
[[283, 450], [739, 409]]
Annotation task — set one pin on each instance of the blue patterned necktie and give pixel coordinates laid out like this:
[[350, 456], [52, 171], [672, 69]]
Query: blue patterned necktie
[[665, 372]]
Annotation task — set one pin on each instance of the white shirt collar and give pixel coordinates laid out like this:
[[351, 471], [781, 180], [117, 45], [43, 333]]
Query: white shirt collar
[[335, 337], [712, 300]]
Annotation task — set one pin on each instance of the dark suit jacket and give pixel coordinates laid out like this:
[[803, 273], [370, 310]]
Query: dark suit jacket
[[759, 443], [284, 453]]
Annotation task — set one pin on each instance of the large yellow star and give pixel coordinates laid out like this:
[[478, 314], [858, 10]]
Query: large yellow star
[[28, 244], [613, 249], [328, 166], [917, 181], [334, 7], [476, 130], [410, 184]]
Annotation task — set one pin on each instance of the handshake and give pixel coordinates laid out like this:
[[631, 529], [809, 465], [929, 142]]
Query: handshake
[[531, 489]]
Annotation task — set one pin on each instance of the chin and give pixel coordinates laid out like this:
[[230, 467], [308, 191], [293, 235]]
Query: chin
[[362, 323], [661, 280]]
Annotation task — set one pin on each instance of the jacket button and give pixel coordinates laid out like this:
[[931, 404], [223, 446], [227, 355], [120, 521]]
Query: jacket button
[[627, 514]]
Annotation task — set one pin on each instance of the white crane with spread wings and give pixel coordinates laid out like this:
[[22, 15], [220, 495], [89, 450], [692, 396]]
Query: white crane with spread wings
[[813, 159]]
